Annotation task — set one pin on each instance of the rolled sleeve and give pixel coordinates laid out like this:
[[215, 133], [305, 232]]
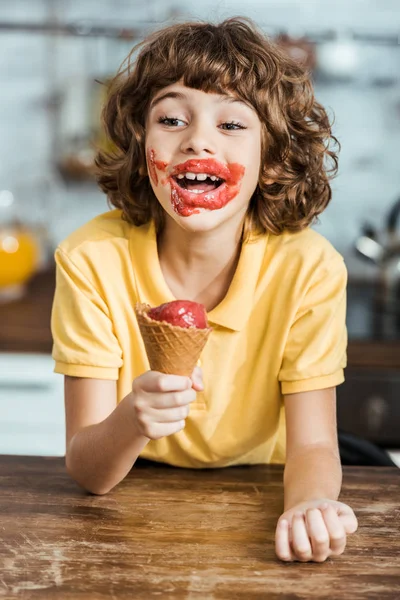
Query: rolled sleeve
[[315, 351]]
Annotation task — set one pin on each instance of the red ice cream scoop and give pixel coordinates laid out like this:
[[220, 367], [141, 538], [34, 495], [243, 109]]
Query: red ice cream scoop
[[174, 335], [182, 313]]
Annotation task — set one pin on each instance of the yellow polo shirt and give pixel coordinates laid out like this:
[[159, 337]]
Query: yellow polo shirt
[[280, 329]]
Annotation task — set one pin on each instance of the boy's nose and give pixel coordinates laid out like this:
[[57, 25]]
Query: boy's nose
[[197, 141]]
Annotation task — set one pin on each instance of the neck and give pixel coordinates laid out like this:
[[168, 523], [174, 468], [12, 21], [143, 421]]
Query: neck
[[199, 266]]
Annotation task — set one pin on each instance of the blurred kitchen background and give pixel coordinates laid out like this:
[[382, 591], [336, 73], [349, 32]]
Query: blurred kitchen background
[[54, 53]]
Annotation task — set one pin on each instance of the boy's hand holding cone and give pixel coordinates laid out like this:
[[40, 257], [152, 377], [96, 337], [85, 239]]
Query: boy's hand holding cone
[[174, 335]]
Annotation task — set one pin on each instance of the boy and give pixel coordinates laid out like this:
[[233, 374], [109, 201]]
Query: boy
[[216, 174]]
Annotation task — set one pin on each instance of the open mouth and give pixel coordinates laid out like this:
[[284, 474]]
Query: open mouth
[[198, 183]]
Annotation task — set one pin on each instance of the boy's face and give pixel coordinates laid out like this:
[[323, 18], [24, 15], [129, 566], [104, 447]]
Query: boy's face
[[203, 154]]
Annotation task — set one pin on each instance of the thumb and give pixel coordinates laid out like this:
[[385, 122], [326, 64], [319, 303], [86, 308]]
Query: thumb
[[197, 379]]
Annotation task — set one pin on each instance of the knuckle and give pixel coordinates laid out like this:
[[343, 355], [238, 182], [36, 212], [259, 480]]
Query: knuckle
[[321, 540], [184, 398], [139, 405], [339, 545], [338, 538], [303, 552], [143, 422], [175, 415], [161, 382], [280, 521], [179, 398], [136, 383]]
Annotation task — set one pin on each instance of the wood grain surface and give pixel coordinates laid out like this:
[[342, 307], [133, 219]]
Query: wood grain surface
[[168, 533]]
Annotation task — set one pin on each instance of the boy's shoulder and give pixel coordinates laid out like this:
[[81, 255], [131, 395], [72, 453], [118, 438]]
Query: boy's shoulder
[[102, 244], [307, 245], [105, 227]]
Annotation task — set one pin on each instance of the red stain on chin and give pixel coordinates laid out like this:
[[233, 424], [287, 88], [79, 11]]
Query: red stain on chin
[[180, 206], [154, 164]]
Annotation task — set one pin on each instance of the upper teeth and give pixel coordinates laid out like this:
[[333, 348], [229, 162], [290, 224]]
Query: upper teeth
[[198, 176]]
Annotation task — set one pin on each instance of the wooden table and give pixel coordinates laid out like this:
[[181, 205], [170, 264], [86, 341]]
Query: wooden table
[[173, 533]]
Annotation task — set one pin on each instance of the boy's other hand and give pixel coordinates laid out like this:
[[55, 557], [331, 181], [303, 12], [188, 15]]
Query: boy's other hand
[[160, 403], [314, 530]]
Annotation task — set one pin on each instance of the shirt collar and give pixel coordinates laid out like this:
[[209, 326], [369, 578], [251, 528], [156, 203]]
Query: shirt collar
[[232, 312]]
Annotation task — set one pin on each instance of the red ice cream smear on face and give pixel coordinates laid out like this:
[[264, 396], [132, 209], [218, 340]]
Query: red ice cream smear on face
[[154, 164], [182, 313], [185, 202]]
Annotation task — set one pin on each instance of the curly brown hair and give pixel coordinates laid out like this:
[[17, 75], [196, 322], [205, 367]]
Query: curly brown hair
[[231, 57]]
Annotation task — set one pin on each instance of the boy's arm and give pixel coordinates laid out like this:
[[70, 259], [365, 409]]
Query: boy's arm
[[102, 441], [313, 469], [105, 439]]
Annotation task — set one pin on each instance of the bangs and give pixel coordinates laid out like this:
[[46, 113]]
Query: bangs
[[211, 59], [217, 74]]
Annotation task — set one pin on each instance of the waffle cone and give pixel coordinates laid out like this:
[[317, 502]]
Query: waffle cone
[[170, 349]]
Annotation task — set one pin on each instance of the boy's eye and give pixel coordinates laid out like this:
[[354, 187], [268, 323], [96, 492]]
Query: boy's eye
[[170, 121], [232, 126], [175, 122]]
